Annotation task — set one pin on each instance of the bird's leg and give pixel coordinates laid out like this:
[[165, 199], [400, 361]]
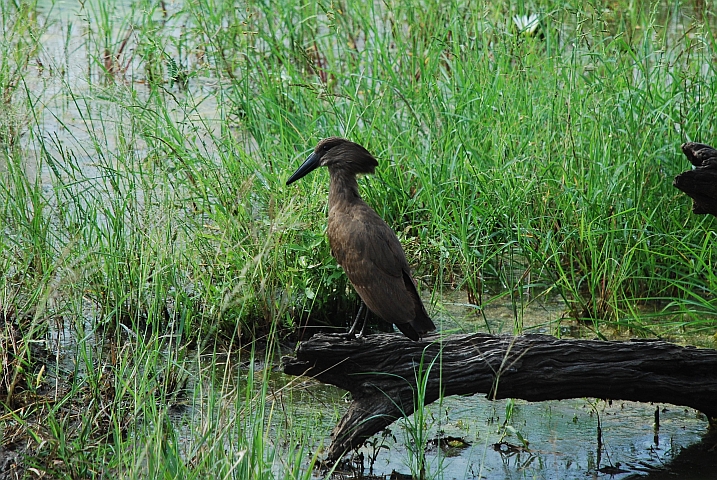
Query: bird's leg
[[365, 321], [356, 320]]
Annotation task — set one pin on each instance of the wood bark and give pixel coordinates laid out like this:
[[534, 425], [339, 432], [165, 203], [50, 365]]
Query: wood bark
[[381, 372], [700, 183]]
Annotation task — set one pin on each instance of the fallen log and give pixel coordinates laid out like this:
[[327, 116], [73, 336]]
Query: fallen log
[[382, 373], [700, 183]]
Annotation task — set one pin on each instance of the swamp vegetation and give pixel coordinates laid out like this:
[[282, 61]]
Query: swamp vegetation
[[153, 263]]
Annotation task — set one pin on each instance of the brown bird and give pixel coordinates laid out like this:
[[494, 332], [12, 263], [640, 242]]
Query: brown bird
[[362, 243], [700, 183]]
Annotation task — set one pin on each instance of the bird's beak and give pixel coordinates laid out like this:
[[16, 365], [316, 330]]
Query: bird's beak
[[309, 164]]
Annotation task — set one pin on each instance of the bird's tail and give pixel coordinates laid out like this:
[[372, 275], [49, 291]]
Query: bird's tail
[[423, 324], [418, 327]]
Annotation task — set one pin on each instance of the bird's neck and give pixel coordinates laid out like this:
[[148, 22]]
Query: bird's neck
[[343, 187]]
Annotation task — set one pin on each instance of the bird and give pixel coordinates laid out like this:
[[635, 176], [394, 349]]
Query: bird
[[362, 242], [700, 183]]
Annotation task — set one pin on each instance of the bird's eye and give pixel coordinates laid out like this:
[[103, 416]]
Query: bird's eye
[[325, 148]]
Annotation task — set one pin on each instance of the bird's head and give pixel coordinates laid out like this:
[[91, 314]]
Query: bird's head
[[337, 153]]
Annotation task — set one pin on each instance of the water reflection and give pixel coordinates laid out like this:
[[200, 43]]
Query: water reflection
[[561, 440]]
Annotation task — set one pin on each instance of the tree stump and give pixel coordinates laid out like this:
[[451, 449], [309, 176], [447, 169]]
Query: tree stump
[[382, 373], [700, 183]]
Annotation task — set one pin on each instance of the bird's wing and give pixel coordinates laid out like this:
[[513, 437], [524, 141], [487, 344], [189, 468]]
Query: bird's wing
[[373, 259]]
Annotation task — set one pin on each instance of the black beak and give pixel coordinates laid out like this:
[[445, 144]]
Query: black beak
[[309, 164]]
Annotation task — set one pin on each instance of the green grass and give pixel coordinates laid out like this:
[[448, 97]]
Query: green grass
[[143, 156]]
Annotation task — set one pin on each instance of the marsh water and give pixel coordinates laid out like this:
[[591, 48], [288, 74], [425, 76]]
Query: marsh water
[[469, 437], [474, 437]]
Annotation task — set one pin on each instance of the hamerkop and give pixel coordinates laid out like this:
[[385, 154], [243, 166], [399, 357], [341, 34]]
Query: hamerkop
[[362, 243]]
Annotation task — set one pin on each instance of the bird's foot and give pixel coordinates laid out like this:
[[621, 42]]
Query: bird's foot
[[350, 334], [355, 336]]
